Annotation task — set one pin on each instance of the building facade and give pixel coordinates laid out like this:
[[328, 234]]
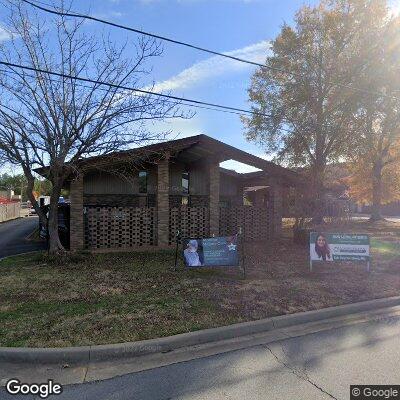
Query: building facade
[[144, 197]]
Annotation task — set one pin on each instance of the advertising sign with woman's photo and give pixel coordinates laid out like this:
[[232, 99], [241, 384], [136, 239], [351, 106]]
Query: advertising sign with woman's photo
[[208, 252], [339, 247]]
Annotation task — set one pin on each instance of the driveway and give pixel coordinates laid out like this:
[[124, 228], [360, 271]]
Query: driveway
[[13, 236]]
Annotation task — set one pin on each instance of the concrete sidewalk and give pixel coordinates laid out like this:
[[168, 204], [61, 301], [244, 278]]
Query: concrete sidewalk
[[92, 370], [316, 366]]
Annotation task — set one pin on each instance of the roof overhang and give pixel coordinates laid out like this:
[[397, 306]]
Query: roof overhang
[[187, 150]]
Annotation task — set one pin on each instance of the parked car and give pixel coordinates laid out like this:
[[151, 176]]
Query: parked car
[[63, 223]]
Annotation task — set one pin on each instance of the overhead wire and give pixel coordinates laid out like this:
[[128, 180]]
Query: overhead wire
[[37, 5]]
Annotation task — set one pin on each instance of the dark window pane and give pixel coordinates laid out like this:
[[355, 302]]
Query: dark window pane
[[185, 182], [143, 182]]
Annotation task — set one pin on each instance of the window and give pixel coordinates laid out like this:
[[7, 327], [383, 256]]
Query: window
[[143, 182], [185, 188], [185, 182]]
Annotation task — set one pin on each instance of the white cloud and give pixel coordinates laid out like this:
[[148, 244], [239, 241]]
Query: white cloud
[[4, 35], [215, 66], [111, 14], [178, 127]]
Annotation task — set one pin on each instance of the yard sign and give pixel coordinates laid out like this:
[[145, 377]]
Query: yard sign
[[339, 247], [211, 252]]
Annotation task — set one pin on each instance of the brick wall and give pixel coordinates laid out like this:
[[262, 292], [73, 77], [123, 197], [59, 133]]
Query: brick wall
[[120, 227], [119, 200], [256, 222], [76, 214], [163, 202], [194, 201], [192, 222], [277, 207], [214, 198]]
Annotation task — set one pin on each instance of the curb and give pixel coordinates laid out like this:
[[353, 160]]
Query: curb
[[167, 344], [16, 255], [28, 237]]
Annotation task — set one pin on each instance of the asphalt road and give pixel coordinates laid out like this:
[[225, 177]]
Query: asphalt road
[[13, 236], [390, 219], [321, 365]]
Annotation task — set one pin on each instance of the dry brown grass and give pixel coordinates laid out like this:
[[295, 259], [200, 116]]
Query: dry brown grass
[[109, 298]]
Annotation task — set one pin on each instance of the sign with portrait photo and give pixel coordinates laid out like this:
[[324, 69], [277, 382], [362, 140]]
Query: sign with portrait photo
[[339, 247], [210, 252]]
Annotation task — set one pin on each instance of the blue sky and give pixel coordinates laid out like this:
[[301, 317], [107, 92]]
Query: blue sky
[[241, 27]]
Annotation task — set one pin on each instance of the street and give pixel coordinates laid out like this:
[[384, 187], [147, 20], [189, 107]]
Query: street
[[13, 236], [367, 217], [321, 365]]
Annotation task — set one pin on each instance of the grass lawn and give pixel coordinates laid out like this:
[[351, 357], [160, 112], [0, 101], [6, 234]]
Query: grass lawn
[[116, 297]]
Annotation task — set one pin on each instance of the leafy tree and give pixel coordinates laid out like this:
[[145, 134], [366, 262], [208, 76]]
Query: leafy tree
[[361, 182], [18, 183], [43, 187], [376, 154], [12, 182], [303, 114]]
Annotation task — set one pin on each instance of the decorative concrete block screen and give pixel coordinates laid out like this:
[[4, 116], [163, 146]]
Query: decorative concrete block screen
[[119, 227], [190, 221], [9, 211], [256, 222]]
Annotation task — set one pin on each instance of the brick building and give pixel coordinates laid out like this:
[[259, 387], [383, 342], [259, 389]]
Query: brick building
[[142, 197]]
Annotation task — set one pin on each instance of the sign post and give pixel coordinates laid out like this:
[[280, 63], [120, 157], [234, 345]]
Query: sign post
[[177, 237], [243, 264], [335, 247]]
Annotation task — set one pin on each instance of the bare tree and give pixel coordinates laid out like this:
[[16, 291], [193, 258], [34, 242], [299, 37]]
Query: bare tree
[[56, 121]]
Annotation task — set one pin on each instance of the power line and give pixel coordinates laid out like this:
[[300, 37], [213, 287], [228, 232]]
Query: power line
[[141, 32], [168, 101], [192, 46], [197, 104], [176, 98]]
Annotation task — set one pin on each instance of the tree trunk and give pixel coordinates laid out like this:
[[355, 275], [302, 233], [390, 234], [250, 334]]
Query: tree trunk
[[55, 246], [318, 194], [376, 192]]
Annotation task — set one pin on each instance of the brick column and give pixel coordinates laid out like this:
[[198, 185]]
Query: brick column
[[163, 202], [214, 198], [76, 214], [277, 208]]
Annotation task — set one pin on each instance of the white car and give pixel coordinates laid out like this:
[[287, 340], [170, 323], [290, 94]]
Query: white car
[[32, 211]]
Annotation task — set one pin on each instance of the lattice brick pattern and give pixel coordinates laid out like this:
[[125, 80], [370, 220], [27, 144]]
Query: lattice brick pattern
[[224, 218], [255, 222], [190, 221], [119, 227]]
